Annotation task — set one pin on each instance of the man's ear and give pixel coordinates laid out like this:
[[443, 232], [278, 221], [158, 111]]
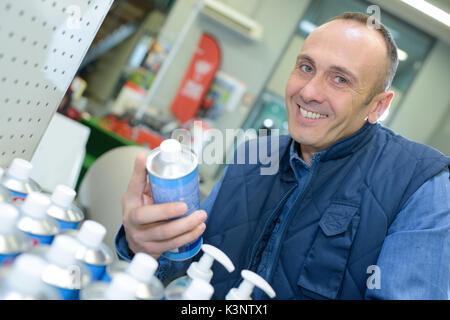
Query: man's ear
[[380, 104]]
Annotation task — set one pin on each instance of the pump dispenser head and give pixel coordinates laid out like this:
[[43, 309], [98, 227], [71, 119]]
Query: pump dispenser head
[[63, 196], [202, 268], [91, 234], [142, 267], [123, 287], [36, 205], [198, 290], [20, 169], [245, 289], [170, 150]]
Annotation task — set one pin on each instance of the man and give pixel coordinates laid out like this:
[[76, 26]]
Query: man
[[355, 210]]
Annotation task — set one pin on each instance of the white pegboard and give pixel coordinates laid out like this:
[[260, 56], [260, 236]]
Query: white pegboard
[[42, 44]]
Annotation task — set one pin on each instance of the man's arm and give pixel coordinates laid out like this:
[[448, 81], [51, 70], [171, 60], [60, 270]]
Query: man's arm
[[414, 262]]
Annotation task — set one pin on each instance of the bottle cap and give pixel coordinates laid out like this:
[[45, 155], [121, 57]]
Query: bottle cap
[[91, 234], [202, 268], [36, 205], [20, 169], [198, 290], [62, 250], [63, 196], [8, 217], [142, 267], [170, 150], [25, 275], [122, 287], [246, 287]]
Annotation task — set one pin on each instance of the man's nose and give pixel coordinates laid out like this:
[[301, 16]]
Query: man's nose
[[313, 91]]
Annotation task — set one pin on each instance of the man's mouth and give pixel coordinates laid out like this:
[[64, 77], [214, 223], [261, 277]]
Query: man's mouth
[[311, 115]]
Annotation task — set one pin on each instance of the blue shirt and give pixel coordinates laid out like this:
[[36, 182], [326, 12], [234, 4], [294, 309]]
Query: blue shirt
[[414, 262]]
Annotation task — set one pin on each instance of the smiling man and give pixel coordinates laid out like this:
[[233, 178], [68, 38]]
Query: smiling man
[[355, 210]]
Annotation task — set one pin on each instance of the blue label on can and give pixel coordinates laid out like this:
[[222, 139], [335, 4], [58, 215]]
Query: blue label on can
[[38, 239], [97, 272], [69, 294], [66, 225], [184, 189], [7, 259], [106, 277], [18, 196]]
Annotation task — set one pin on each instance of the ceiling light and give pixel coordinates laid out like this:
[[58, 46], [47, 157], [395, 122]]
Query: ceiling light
[[430, 10], [402, 55]]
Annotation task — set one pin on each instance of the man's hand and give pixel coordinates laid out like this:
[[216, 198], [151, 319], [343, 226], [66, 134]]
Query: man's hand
[[146, 226]]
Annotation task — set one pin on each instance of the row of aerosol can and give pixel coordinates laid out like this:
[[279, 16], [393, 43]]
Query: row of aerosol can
[[48, 250]]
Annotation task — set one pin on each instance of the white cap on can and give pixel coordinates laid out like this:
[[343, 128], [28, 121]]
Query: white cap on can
[[62, 250], [142, 267], [26, 272], [63, 196], [122, 287], [8, 217], [91, 234], [170, 150], [198, 290], [20, 169], [36, 205]]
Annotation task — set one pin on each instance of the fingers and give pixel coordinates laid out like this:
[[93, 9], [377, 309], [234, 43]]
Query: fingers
[[175, 228], [179, 241], [138, 181], [157, 212]]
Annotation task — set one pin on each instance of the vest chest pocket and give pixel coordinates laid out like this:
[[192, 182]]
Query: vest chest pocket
[[325, 264]]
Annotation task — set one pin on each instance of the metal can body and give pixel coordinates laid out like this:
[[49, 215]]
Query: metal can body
[[172, 183], [20, 188], [68, 218], [5, 195], [39, 231], [11, 245]]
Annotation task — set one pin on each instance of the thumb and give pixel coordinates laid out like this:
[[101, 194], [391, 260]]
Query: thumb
[[138, 180]]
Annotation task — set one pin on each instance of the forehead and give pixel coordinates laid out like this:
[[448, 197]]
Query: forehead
[[348, 44]]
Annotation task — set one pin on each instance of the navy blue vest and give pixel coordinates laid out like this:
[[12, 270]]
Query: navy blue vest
[[338, 224]]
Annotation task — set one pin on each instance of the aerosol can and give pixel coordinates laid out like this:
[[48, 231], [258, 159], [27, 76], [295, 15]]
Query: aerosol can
[[198, 270], [245, 289], [62, 208], [22, 280], [34, 221], [17, 179], [142, 268], [173, 175], [13, 241], [91, 250], [122, 287], [64, 271], [5, 194]]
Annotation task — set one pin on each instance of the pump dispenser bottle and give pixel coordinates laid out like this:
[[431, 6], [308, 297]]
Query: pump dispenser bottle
[[245, 289], [198, 270], [62, 208], [198, 289]]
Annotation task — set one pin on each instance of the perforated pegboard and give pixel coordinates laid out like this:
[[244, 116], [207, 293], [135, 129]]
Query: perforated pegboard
[[42, 44]]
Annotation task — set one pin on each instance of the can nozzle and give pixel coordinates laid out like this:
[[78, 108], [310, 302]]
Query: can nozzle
[[63, 196], [142, 267], [170, 150], [122, 287], [202, 268], [91, 234], [198, 290], [246, 287], [20, 169], [36, 205]]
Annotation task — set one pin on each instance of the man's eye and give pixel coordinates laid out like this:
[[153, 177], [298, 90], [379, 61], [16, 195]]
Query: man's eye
[[340, 80], [306, 68]]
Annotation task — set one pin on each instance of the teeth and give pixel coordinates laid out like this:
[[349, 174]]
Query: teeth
[[311, 115]]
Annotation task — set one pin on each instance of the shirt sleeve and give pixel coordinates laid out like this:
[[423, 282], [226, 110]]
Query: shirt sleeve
[[167, 269], [414, 262]]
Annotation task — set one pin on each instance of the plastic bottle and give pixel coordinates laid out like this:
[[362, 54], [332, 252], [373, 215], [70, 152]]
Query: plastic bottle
[[62, 208], [22, 280], [245, 289], [122, 287], [17, 179], [12, 240], [198, 270], [92, 251], [64, 271], [34, 221], [198, 289], [142, 268], [5, 194]]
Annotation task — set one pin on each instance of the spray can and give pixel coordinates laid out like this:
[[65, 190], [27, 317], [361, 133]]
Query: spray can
[[122, 287], [173, 175], [22, 280], [245, 289], [62, 208], [12, 240], [5, 194], [142, 268], [198, 270], [17, 179], [64, 271], [34, 221], [92, 251]]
